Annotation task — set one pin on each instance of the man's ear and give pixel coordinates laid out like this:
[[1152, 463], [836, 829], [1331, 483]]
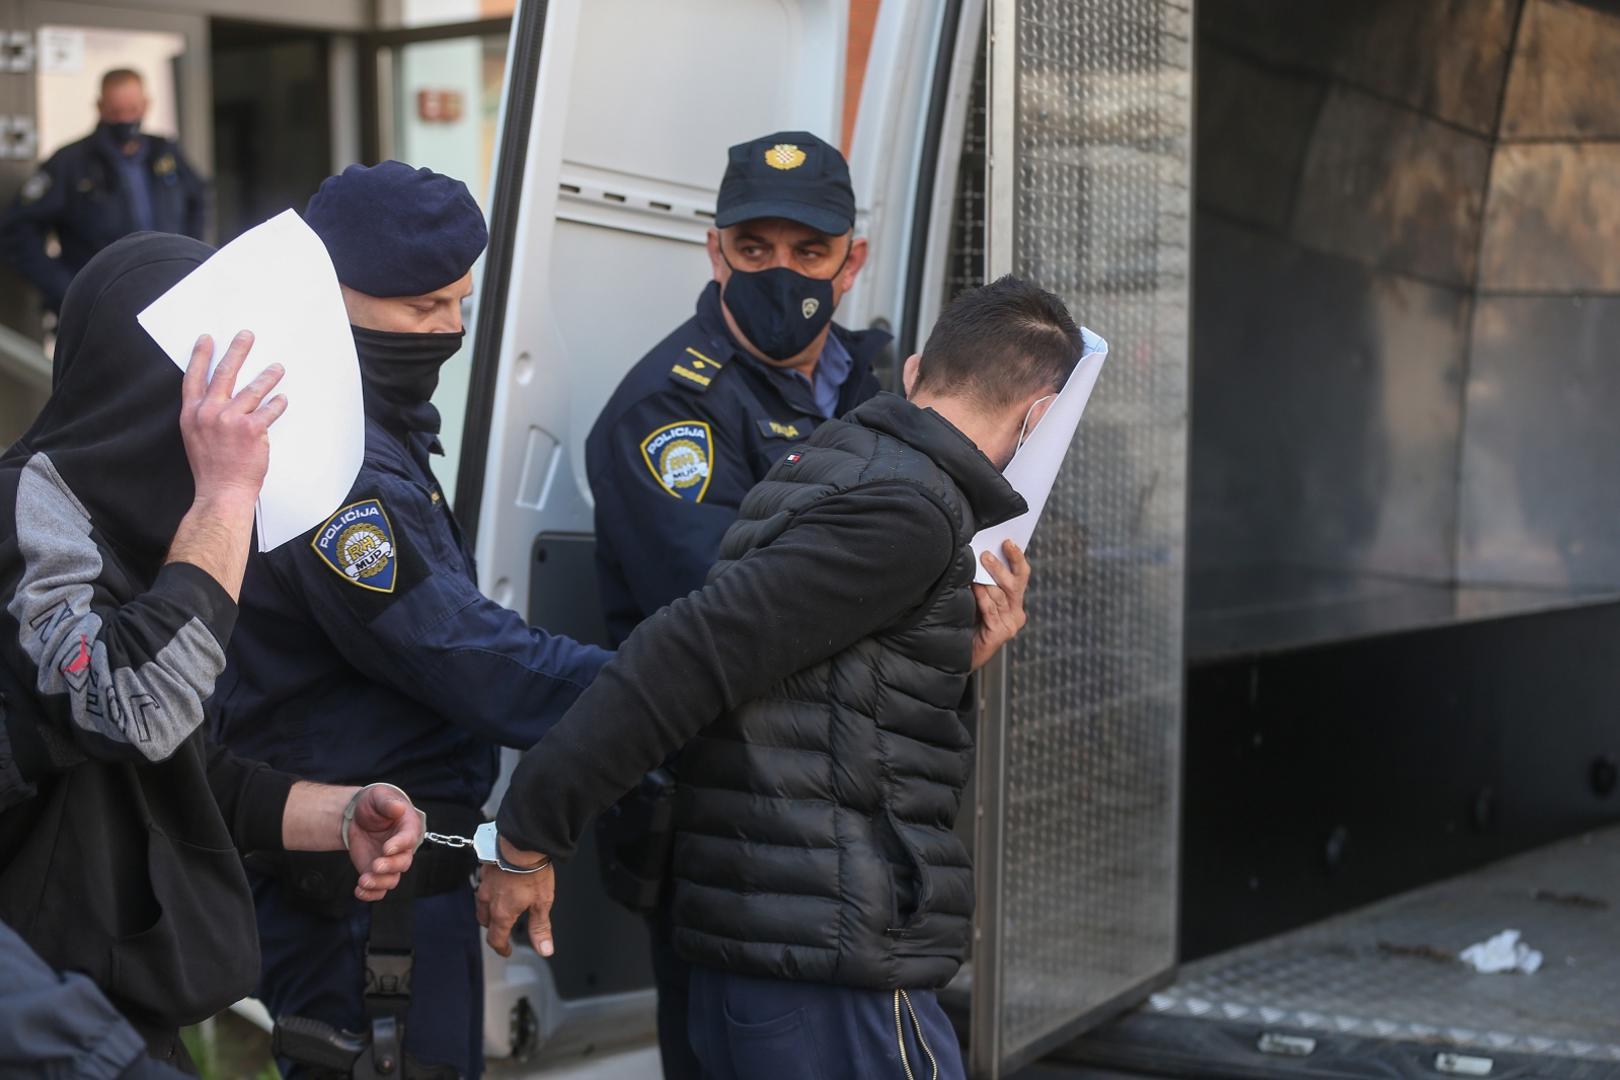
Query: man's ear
[[717, 262], [1041, 406], [852, 266], [908, 372]]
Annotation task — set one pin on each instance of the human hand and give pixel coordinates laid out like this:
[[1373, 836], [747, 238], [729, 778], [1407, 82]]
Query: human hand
[[503, 897], [1001, 606], [227, 438], [383, 838]]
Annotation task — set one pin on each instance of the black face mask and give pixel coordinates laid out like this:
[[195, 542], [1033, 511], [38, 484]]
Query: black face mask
[[404, 368], [780, 310], [124, 132]]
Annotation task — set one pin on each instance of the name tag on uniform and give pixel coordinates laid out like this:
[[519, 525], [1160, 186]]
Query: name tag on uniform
[[776, 429]]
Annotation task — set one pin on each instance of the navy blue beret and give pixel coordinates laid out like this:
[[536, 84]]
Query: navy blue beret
[[397, 231]]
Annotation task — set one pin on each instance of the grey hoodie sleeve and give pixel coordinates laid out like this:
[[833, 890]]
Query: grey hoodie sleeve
[[120, 680], [61, 1025]]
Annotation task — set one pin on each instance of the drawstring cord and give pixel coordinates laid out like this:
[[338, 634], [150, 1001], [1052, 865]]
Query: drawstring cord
[[900, 1036]]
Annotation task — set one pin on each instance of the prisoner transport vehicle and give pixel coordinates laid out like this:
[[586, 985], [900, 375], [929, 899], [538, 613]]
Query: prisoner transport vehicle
[[1316, 688], [1252, 713]]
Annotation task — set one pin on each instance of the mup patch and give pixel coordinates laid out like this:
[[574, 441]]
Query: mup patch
[[681, 458], [357, 542]]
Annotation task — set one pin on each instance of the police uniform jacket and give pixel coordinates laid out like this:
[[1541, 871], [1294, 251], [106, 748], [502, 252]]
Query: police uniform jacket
[[365, 650], [833, 642], [79, 195], [694, 425]]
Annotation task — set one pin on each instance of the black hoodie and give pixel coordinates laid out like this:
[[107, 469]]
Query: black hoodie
[[121, 862]]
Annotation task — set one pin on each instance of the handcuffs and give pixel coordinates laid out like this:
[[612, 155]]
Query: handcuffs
[[485, 840]]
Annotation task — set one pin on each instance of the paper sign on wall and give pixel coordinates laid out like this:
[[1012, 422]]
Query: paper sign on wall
[[1034, 468], [61, 50], [277, 281]]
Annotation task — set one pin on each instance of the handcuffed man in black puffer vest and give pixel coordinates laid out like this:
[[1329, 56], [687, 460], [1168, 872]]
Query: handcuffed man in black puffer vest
[[821, 894]]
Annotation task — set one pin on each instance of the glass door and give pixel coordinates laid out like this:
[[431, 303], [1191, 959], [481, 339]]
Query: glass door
[[438, 81]]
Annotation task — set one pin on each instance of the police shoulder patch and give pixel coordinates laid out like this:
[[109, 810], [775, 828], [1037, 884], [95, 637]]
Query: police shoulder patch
[[695, 370], [358, 544], [680, 457], [36, 187]]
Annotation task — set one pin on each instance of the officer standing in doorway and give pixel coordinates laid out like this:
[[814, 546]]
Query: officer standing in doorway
[[698, 422], [116, 181], [366, 649]]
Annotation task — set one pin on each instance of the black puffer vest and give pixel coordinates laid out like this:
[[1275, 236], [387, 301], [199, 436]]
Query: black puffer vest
[[815, 833]]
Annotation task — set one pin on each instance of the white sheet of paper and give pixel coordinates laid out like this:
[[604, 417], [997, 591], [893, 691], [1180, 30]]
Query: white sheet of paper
[[277, 280], [1034, 468]]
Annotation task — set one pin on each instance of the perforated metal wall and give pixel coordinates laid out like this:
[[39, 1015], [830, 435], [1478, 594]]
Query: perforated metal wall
[[1083, 720], [966, 267]]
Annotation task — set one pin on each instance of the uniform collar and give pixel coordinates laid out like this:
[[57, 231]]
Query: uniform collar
[[402, 418], [993, 499], [103, 140]]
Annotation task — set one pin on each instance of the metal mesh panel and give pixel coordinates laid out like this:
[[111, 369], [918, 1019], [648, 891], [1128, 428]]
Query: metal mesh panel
[[965, 269], [1092, 718]]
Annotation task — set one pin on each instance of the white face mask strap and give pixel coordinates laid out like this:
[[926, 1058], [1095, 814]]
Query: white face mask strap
[[1023, 429]]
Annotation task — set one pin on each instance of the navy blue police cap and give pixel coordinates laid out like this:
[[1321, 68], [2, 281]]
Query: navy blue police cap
[[393, 230], [791, 174]]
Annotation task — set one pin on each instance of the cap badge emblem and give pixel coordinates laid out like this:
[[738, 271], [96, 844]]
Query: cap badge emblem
[[809, 306], [784, 156]]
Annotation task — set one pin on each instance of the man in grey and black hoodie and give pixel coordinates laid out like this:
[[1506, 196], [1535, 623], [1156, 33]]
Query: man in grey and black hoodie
[[126, 511], [821, 894]]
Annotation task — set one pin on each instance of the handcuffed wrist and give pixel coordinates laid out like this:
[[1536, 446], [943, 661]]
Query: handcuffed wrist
[[520, 860], [354, 804]]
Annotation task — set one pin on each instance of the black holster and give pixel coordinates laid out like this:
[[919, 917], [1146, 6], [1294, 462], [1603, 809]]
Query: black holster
[[635, 839]]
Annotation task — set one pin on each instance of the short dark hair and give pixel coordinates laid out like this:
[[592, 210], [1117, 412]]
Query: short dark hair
[[1000, 343], [119, 75]]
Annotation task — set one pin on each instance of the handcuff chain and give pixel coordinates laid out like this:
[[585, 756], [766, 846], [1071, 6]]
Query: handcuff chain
[[448, 840]]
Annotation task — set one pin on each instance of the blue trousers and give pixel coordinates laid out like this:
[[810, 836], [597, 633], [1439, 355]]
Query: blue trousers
[[672, 977], [747, 1028], [315, 967]]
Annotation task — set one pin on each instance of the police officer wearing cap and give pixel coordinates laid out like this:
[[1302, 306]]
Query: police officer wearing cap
[[366, 649], [699, 421], [116, 181]]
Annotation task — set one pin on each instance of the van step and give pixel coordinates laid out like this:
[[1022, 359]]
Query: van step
[[1379, 991]]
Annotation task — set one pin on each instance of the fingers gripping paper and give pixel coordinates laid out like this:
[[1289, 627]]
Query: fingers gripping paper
[[1034, 467], [277, 281]]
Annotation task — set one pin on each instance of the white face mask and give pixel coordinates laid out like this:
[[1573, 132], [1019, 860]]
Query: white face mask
[[1024, 430]]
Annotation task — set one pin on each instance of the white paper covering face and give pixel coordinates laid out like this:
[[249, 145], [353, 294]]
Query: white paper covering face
[[277, 281], [1034, 467]]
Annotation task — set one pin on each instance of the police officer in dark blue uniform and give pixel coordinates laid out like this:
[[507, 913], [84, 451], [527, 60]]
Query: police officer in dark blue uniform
[[116, 181], [366, 649], [702, 418]]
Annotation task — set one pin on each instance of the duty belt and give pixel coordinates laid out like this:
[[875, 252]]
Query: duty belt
[[389, 957]]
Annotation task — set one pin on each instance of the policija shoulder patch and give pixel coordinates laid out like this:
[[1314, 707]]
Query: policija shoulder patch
[[681, 458], [357, 542]]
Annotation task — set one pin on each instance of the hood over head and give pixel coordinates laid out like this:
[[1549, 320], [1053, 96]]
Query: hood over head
[[111, 426]]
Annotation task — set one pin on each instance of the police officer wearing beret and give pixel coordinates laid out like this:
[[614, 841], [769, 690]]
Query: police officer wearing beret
[[702, 418], [114, 182], [366, 649]]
